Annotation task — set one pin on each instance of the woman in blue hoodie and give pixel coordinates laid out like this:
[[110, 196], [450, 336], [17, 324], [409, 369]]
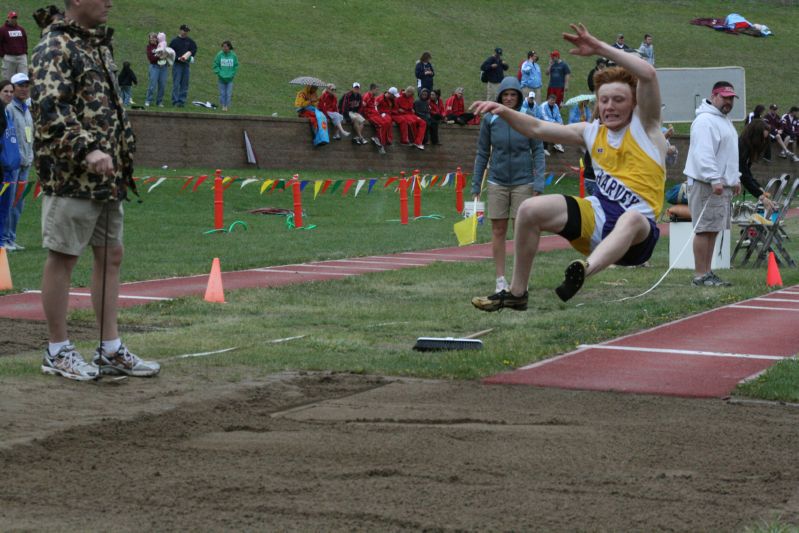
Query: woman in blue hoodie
[[515, 172]]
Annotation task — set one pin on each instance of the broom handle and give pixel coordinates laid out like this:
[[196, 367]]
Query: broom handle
[[475, 335]]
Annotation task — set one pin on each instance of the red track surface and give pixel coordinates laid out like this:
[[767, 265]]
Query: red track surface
[[701, 356]]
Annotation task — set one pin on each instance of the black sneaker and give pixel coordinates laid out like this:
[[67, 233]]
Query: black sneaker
[[573, 279], [500, 300]]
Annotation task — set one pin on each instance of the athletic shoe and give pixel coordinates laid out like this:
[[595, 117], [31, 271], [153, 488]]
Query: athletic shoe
[[346, 133], [336, 137], [9, 246], [146, 104], [376, 141], [17, 246], [502, 284], [783, 154], [546, 152], [69, 363], [709, 280], [160, 105], [794, 158], [500, 300], [419, 146], [573, 279], [381, 150], [124, 362], [559, 148]]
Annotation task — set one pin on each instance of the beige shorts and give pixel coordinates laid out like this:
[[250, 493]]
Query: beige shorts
[[504, 202], [716, 216], [71, 224], [356, 118]]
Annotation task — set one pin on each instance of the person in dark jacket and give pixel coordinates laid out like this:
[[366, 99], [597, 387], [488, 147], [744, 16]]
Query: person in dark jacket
[[516, 171], [350, 107], [752, 144], [424, 73], [493, 70], [422, 109], [126, 79], [601, 64], [185, 52]]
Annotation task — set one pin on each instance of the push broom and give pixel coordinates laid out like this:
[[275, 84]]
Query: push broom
[[438, 344]]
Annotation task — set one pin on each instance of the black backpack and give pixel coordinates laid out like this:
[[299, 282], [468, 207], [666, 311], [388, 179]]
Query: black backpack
[[484, 76]]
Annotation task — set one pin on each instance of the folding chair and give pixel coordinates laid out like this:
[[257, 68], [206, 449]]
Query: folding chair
[[764, 234]]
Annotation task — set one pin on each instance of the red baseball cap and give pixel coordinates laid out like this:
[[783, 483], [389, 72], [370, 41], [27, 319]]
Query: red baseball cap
[[725, 90], [12, 15], [554, 53]]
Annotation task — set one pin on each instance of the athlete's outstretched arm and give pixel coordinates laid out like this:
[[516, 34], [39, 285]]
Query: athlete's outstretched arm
[[533, 127], [648, 94]]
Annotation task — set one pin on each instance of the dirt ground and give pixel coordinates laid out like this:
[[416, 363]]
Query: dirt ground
[[334, 452]]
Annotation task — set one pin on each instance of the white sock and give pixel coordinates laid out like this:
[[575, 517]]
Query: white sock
[[112, 346], [54, 347]]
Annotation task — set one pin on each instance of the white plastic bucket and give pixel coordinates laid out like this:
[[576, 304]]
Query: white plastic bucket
[[468, 209]]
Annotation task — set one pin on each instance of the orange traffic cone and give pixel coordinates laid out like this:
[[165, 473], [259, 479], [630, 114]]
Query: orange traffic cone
[[773, 278], [5, 272], [214, 292]]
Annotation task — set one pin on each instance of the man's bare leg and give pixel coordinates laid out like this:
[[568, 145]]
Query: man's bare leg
[[55, 292], [703, 252], [632, 228], [499, 233]]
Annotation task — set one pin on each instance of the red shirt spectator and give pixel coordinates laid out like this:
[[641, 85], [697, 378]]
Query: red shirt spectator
[[385, 103], [328, 102], [405, 104], [454, 105]]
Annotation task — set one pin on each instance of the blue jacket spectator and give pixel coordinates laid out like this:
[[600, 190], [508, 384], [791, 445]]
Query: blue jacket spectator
[[424, 73], [531, 72], [550, 111]]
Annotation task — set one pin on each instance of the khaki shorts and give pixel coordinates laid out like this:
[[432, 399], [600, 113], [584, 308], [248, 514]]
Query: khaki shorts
[[356, 118], [716, 216], [504, 202], [71, 224]]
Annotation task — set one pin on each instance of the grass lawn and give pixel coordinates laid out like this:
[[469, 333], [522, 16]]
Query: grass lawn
[[367, 323]]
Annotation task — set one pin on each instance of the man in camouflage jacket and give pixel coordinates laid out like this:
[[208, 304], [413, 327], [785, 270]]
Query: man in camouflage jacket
[[83, 146]]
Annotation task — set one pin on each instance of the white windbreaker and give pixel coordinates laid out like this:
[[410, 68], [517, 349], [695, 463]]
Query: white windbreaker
[[713, 152]]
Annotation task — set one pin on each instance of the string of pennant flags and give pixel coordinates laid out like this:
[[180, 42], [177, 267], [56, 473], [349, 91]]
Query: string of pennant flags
[[269, 185]]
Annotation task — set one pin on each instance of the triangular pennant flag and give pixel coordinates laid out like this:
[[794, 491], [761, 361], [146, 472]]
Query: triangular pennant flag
[[28, 188], [186, 183], [371, 184], [280, 185], [37, 191], [149, 179], [347, 186], [251, 157], [336, 185], [434, 180], [316, 186], [199, 182], [20, 191], [248, 181], [156, 184], [265, 185], [325, 186], [6, 185], [425, 181], [303, 184], [358, 188], [228, 181], [549, 178], [446, 179], [389, 181]]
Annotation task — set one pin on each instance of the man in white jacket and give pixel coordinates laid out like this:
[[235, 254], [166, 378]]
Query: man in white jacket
[[713, 177]]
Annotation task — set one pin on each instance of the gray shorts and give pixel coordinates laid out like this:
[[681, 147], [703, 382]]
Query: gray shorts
[[356, 118], [504, 202], [716, 216], [71, 224]]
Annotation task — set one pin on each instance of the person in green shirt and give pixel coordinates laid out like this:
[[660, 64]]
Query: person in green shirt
[[225, 66]]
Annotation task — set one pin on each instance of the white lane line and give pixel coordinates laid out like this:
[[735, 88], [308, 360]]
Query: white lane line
[[442, 257], [766, 299], [201, 354], [683, 352], [121, 296], [393, 259], [362, 261], [268, 270], [764, 308], [351, 267]]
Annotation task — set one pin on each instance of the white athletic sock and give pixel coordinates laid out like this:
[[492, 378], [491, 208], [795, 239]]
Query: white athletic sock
[[111, 346], [54, 347]]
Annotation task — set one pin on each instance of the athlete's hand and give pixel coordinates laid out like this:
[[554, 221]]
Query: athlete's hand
[[587, 44], [482, 106], [99, 162]]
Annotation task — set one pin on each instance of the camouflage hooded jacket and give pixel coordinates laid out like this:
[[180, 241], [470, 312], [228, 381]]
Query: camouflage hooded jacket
[[76, 109]]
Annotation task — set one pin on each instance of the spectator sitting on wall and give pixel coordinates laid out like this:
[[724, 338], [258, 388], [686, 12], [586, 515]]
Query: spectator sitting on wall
[[328, 104], [529, 106], [350, 107], [422, 109], [776, 133], [381, 121], [436, 105], [790, 128], [305, 104], [454, 108], [550, 112], [580, 113], [409, 124]]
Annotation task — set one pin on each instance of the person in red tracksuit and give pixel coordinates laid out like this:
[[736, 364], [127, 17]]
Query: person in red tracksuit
[[454, 109], [417, 125], [381, 123]]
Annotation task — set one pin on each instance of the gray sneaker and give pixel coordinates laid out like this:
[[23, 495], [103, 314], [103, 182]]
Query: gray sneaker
[[69, 363], [124, 362], [710, 280]]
